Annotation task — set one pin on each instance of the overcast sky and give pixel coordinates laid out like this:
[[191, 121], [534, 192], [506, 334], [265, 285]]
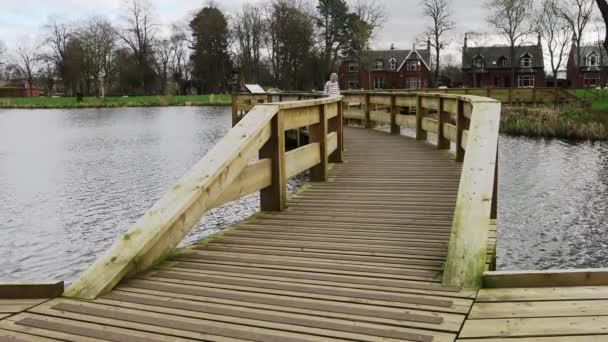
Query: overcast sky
[[20, 20]]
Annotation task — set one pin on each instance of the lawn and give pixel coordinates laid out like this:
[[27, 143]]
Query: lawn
[[598, 97], [130, 101]]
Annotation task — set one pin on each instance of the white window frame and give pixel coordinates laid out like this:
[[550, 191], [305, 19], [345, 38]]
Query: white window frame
[[353, 67], [595, 78], [379, 65], [589, 59], [353, 84], [526, 61], [413, 83], [413, 65], [478, 62], [526, 81], [503, 62], [378, 82], [392, 64]]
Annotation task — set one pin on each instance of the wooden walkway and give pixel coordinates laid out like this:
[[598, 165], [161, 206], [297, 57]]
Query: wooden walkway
[[357, 259]]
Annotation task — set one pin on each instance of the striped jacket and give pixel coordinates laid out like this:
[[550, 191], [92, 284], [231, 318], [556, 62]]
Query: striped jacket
[[332, 89]]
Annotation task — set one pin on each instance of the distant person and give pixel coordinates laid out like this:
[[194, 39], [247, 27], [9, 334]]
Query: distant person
[[78, 97], [332, 87]]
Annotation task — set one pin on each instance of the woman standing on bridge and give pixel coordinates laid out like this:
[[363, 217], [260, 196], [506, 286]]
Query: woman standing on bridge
[[332, 87]]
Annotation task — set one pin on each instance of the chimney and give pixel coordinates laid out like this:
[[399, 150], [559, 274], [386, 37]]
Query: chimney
[[540, 39], [428, 44], [414, 47], [392, 46], [466, 41]]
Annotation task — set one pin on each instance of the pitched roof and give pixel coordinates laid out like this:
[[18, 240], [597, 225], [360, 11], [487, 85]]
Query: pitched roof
[[491, 55], [586, 50], [399, 55]]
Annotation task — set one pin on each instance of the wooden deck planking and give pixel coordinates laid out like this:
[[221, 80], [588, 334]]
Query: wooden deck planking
[[354, 259], [538, 314]]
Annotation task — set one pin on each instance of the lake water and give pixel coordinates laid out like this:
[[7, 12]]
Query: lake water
[[72, 181]]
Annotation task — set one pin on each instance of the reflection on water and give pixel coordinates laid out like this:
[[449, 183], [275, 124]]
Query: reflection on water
[[71, 181], [553, 204]]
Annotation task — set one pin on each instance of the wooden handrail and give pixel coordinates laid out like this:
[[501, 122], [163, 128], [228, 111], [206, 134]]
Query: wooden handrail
[[229, 171], [471, 123]]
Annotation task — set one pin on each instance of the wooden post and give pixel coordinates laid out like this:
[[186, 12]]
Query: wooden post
[[487, 92], [368, 121], [533, 95], [420, 133], [337, 125], [510, 95], [395, 129], [318, 134], [459, 129], [235, 109], [443, 143], [494, 210], [274, 197], [466, 91]]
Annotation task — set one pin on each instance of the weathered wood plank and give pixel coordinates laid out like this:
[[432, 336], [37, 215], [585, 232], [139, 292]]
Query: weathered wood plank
[[549, 278], [543, 294], [161, 229], [30, 291], [467, 251], [8, 306], [571, 308]]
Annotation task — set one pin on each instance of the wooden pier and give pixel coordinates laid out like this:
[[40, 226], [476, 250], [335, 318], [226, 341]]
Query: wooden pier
[[389, 242]]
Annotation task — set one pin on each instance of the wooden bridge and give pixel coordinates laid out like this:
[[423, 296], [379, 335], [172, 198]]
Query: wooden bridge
[[391, 241]]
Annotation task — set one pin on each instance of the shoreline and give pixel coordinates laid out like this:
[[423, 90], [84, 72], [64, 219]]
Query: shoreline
[[114, 105]]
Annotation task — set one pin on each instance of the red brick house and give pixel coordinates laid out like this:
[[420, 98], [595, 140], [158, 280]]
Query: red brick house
[[390, 69], [593, 69], [491, 66], [17, 88]]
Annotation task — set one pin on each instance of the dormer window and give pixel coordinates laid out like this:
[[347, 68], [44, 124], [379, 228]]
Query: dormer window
[[478, 62], [413, 65], [379, 65], [502, 62], [592, 60], [392, 64], [526, 61]]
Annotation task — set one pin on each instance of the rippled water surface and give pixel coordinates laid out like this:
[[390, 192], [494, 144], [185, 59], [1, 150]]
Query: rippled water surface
[[553, 204], [71, 181]]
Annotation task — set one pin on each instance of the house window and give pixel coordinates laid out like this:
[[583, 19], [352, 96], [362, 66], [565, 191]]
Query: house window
[[413, 83], [478, 62], [379, 65], [502, 62], [592, 80], [378, 82], [353, 67], [413, 65], [592, 60], [526, 61], [392, 64], [526, 81], [353, 84]]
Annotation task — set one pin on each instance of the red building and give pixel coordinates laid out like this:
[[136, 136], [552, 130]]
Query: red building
[[17, 88], [491, 66], [593, 69], [390, 69]]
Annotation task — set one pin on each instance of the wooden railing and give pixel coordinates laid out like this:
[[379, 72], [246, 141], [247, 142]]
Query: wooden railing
[[242, 103], [471, 124], [250, 158], [507, 95]]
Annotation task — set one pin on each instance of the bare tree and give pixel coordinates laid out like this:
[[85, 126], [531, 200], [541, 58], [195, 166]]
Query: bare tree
[[556, 32], [577, 13], [139, 34], [181, 57], [372, 13], [249, 31], [164, 56], [512, 19], [603, 6], [98, 40], [26, 62], [57, 36], [438, 11]]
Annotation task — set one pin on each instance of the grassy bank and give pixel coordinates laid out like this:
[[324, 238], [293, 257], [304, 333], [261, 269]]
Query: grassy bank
[[564, 123], [599, 98], [131, 101]]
